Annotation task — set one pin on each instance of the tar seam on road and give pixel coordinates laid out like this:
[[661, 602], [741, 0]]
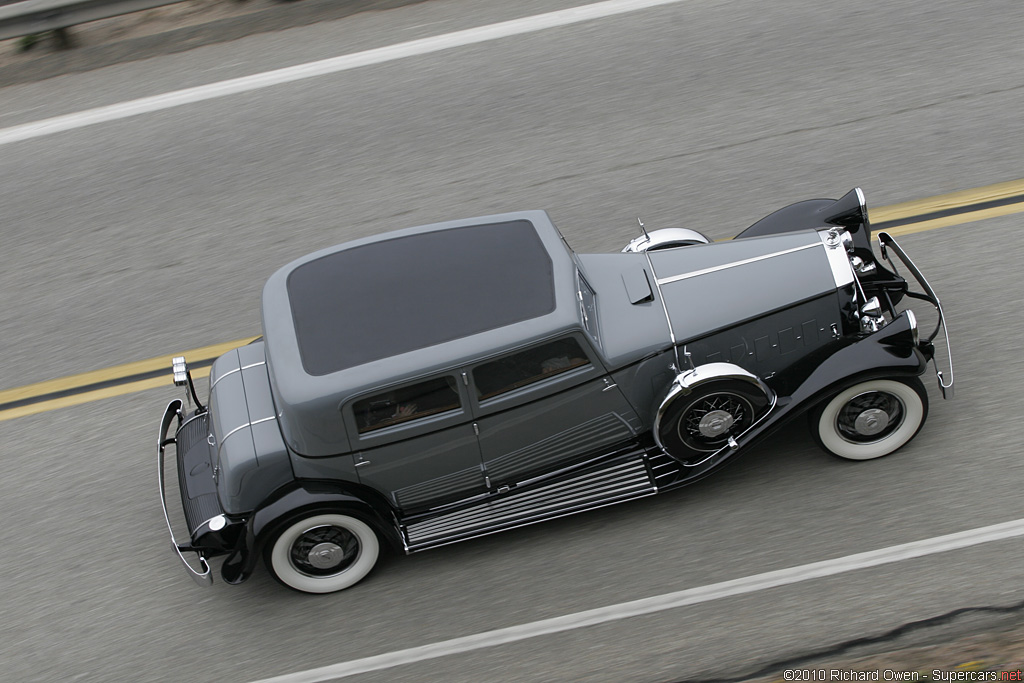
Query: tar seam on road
[[659, 603], [842, 648]]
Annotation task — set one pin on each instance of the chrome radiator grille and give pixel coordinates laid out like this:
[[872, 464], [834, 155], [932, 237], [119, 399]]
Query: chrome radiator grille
[[195, 472], [621, 480]]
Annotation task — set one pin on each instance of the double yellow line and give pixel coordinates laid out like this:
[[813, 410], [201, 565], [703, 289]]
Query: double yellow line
[[898, 219], [966, 206], [115, 381]]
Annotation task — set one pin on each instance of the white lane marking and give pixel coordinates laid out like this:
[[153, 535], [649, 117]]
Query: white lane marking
[[323, 67], [659, 603]]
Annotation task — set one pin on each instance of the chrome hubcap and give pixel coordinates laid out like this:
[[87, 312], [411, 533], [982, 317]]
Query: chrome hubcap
[[715, 423], [871, 422], [324, 551], [326, 555], [708, 422], [870, 417]]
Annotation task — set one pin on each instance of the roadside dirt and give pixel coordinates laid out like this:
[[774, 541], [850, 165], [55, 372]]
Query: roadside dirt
[[165, 30], [136, 25]]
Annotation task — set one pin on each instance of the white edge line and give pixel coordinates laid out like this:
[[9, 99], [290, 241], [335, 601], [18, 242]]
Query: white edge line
[[323, 67], [659, 603]]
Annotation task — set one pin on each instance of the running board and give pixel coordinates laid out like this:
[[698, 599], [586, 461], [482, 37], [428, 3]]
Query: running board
[[623, 479]]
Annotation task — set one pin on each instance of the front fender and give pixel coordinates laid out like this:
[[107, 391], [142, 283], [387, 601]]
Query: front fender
[[292, 501], [849, 212], [888, 353]]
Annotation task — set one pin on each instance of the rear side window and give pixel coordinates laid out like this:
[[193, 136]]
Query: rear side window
[[526, 367], [407, 403]]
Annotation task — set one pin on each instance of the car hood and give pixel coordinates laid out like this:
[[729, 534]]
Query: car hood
[[713, 286]]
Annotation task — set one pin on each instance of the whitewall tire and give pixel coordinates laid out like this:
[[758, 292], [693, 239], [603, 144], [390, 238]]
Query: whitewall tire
[[871, 419], [323, 553]]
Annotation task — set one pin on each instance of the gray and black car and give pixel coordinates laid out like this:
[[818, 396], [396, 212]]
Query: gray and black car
[[436, 384]]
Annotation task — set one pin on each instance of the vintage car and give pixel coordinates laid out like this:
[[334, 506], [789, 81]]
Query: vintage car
[[436, 384]]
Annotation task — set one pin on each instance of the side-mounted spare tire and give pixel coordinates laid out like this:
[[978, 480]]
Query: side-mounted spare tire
[[707, 407]]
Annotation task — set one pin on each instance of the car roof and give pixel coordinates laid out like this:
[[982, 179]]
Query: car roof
[[400, 294], [393, 307]]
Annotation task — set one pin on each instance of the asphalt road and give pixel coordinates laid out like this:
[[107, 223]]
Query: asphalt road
[[153, 234]]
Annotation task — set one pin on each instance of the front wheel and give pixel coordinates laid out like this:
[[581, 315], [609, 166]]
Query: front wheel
[[323, 553], [871, 419]]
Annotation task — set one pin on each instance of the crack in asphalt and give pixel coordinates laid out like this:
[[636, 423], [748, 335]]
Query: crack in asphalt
[[844, 647]]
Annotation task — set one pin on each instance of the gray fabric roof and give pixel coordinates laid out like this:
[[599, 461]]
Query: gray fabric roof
[[398, 295]]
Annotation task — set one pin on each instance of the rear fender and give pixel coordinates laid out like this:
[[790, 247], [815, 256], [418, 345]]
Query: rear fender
[[294, 501]]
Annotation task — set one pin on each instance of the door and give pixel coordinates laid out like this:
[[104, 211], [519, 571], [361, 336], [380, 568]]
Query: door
[[547, 407], [416, 444]]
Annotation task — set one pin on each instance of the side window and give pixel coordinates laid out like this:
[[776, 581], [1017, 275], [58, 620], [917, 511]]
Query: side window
[[527, 367], [407, 403]]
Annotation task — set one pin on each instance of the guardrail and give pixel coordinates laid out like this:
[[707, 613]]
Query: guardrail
[[37, 16]]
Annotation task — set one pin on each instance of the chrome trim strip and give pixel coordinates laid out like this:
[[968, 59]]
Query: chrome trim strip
[[886, 240], [243, 426], [214, 383], [244, 367], [734, 264], [204, 577]]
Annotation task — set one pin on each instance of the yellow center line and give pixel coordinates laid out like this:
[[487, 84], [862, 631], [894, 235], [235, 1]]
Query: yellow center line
[[947, 221], [96, 395], [77, 385], [945, 202], [110, 374]]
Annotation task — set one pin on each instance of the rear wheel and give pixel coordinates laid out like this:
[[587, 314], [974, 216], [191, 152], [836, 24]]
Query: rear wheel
[[871, 419], [323, 553]]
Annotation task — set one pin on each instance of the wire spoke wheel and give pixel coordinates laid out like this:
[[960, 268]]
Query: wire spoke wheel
[[707, 423]]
